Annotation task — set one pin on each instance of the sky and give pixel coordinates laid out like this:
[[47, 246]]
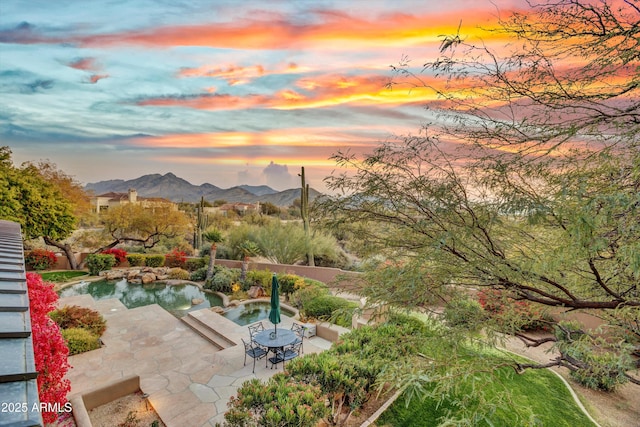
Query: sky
[[216, 91]]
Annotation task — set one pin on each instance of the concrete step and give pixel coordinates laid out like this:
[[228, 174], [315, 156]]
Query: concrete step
[[199, 323]]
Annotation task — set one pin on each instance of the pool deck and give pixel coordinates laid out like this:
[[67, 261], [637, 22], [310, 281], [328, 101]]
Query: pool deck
[[188, 380]]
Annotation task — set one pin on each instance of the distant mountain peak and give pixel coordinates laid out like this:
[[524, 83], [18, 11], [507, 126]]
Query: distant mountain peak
[[174, 188]]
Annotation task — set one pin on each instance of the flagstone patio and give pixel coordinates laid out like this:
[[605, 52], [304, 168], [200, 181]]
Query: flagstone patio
[[189, 381]]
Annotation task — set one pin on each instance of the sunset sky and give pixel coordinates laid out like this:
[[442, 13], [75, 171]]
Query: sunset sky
[[216, 91]]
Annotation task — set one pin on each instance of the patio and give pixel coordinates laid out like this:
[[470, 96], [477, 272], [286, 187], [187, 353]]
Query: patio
[[189, 381]]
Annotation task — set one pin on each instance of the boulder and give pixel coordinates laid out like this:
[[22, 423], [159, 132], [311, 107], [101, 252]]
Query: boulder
[[196, 301], [217, 309], [114, 275], [148, 278], [256, 292], [162, 277], [135, 281]]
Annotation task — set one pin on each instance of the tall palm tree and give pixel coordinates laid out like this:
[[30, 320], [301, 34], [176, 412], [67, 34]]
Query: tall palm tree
[[214, 236], [248, 248]]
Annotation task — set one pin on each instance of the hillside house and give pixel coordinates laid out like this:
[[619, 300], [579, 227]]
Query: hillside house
[[240, 208], [103, 202]]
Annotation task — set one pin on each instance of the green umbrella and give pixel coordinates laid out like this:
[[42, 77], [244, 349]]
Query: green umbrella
[[274, 314]]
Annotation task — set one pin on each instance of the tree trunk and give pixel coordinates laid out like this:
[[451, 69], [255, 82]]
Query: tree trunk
[[243, 270], [68, 252], [212, 261]]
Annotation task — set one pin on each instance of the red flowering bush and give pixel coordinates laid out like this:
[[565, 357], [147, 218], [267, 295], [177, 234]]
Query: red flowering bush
[[40, 259], [176, 258], [50, 351], [512, 314], [119, 254]]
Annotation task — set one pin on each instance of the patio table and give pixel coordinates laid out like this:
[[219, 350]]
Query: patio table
[[282, 338]]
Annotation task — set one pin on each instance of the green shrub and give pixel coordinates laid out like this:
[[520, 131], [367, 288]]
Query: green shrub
[[120, 254], [79, 340], [73, 316], [279, 402], [307, 291], [464, 312], [199, 275], [223, 279], [135, 260], [40, 259], [258, 278], [193, 264], [156, 260], [179, 274], [326, 306], [100, 262], [288, 283]]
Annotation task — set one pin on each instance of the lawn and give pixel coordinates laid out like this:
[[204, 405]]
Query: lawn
[[541, 391], [62, 276]]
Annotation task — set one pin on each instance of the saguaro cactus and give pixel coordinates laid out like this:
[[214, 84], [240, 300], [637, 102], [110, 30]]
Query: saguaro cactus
[[304, 213]]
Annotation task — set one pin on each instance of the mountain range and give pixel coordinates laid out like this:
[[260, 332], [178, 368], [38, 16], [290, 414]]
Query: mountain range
[[176, 189]]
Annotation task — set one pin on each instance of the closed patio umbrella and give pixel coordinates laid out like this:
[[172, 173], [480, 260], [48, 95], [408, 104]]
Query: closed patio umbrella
[[274, 314]]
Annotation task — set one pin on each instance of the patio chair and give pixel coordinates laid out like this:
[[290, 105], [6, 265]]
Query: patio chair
[[287, 353], [255, 352], [299, 331], [254, 329]]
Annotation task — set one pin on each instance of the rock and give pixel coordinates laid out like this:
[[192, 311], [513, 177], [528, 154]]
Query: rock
[[197, 301], [135, 281], [256, 292], [114, 275], [162, 277], [148, 278], [132, 274], [217, 309], [234, 303]]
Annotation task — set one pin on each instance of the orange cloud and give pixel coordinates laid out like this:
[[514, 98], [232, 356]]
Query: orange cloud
[[319, 91], [337, 30], [87, 64]]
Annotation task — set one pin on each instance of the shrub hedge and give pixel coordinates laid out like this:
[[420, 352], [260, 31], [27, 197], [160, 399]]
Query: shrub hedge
[[179, 274], [73, 316], [40, 259], [100, 262], [156, 260], [193, 264], [79, 340], [135, 260]]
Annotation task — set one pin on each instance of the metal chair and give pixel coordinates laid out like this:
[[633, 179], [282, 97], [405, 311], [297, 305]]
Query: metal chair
[[287, 353], [255, 352], [299, 331], [254, 329]]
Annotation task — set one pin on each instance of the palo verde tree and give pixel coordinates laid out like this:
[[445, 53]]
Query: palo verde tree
[[145, 226], [527, 181]]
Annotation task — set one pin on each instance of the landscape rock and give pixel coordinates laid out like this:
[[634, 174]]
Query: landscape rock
[[196, 301], [234, 303], [148, 278], [217, 309], [256, 292], [114, 274]]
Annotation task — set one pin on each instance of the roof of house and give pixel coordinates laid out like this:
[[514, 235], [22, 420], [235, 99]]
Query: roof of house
[[113, 196], [17, 365]]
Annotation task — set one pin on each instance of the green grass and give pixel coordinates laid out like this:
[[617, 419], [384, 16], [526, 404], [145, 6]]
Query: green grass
[[62, 276], [539, 391]]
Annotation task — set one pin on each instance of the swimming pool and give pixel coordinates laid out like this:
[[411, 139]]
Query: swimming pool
[[176, 299], [250, 312]]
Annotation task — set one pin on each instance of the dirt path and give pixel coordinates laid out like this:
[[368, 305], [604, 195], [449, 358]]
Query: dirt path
[[619, 409]]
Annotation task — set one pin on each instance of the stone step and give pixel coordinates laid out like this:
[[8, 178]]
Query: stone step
[[207, 330]]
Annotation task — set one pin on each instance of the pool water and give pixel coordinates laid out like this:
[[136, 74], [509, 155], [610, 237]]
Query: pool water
[[175, 299], [250, 312]]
